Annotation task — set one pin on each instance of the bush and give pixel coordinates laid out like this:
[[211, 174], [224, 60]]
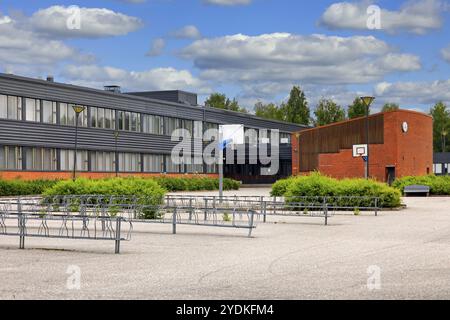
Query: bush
[[279, 188], [439, 185], [147, 191], [24, 188], [195, 184], [317, 185]]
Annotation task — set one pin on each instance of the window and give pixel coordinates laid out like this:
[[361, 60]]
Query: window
[[153, 163], [103, 161], [209, 126], [196, 165], [198, 129], [171, 124], [67, 160], [129, 121], [285, 138], [129, 162], [103, 118], [49, 112], [10, 107], [33, 110], [438, 168], [153, 124], [211, 168], [251, 136], [67, 115], [41, 159], [188, 125], [171, 167], [10, 158]]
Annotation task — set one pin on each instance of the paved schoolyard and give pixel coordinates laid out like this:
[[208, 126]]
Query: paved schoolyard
[[406, 254]]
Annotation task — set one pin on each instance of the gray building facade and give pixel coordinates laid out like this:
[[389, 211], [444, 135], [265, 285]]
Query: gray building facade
[[118, 132]]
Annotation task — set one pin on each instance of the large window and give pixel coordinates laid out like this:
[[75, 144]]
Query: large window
[[129, 121], [67, 115], [251, 136], [49, 112], [10, 158], [67, 160], [153, 163], [103, 161], [212, 168], [153, 124], [188, 125], [198, 129], [103, 118], [195, 165], [171, 167], [171, 124], [10, 107], [209, 126], [129, 162], [285, 138], [33, 110], [41, 159]]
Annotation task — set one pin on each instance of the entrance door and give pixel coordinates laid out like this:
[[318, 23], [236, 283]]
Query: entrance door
[[390, 175]]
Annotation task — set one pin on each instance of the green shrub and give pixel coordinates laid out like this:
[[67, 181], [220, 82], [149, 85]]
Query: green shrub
[[279, 188], [174, 184], [317, 185], [24, 188], [439, 185], [147, 191]]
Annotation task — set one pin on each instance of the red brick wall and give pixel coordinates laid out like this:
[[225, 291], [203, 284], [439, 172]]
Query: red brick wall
[[410, 153], [11, 175]]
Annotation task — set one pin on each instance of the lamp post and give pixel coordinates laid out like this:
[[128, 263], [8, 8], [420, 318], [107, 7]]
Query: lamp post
[[78, 110], [367, 101], [116, 155], [444, 138]]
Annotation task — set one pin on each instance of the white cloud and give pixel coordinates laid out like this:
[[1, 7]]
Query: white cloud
[[446, 54], [414, 93], [187, 32], [21, 47], [228, 2], [153, 79], [416, 16], [83, 22], [157, 47], [283, 57]]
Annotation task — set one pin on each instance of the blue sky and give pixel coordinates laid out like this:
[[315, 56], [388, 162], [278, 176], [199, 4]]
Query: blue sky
[[254, 50]]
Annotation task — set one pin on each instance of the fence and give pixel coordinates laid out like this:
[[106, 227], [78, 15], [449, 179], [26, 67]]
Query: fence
[[32, 218]]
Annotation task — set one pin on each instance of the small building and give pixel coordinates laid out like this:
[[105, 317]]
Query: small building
[[441, 163], [400, 144]]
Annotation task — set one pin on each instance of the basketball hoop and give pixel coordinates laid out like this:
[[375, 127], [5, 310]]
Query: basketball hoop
[[360, 150]]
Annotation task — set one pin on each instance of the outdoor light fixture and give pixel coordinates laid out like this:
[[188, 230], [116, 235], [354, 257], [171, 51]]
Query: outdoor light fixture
[[367, 101], [78, 110]]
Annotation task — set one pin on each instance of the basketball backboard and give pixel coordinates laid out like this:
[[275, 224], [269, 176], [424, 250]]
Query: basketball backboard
[[360, 150]]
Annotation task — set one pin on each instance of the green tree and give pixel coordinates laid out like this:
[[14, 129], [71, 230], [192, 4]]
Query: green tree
[[268, 111], [327, 111], [296, 110], [390, 107], [441, 127], [357, 109], [220, 101]]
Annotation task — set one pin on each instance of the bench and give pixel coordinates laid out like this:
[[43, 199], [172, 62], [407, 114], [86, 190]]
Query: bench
[[417, 190]]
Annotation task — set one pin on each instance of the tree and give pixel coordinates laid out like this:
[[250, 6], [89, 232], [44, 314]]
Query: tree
[[441, 127], [268, 111], [357, 109], [390, 107], [296, 110], [327, 111], [220, 101]]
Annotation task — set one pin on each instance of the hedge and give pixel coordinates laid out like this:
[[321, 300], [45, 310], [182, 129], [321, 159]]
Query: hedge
[[318, 185], [195, 184], [19, 187], [439, 185]]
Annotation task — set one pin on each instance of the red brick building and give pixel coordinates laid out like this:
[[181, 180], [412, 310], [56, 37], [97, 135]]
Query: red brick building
[[401, 144]]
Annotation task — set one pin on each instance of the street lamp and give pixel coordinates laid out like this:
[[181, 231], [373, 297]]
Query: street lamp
[[116, 155], [367, 101], [444, 134], [78, 110]]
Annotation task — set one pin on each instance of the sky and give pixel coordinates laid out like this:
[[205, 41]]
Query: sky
[[251, 50]]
